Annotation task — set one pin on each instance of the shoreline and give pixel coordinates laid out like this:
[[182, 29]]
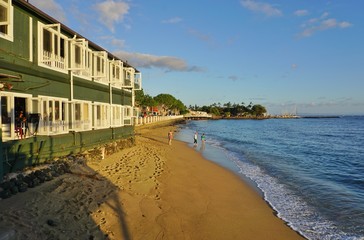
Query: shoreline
[[149, 191], [250, 187]]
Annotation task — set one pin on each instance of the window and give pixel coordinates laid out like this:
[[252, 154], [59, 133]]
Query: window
[[100, 67], [101, 115], [15, 111], [80, 115], [53, 47], [81, 58], [128, 77], [6, 20], [116, 116], [138, 81], [128, 112], [116, 68], [53, 115]]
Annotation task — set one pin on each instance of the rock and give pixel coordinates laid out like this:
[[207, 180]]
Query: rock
[[36, 182], [23, 187], [14, 190], [5, 185], [40, 175], [51, 223], [20, 177], [27, 180], [5, 194]]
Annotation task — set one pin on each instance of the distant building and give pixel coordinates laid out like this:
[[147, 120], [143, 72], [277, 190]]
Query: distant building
[[197, 115], [63, 84]]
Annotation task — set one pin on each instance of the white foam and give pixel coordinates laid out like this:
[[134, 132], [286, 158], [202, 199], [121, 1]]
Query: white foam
[[290, 207]]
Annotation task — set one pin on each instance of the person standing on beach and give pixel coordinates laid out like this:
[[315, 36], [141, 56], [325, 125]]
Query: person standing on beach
[[195, 139], [170, 137]]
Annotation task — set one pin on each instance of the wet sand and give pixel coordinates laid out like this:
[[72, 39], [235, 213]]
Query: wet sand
[[149, 191]]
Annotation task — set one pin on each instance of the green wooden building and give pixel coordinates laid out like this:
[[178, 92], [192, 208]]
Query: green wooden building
[[60, 93]]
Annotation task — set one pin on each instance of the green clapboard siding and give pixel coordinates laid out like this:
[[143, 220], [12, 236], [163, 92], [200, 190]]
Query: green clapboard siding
[[17, 155]]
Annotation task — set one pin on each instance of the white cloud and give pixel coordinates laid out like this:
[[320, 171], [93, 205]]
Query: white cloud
[[51, 8], [324, 15], [301, 12], [264, 8], [172, 20], [117, 43], [141, 60], [112, 12], [314, 25], [202, 36], [344, 24]]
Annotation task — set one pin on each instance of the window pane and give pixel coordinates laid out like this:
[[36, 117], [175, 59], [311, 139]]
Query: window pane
[[3, 14], [77, 54], [55, 47], [98, 66], [4, 110], [85, 111], [78, 111], [62, 53], [47, 41], [45, 111], [56, 110], [4, 29], [64, 105], [50, 111]]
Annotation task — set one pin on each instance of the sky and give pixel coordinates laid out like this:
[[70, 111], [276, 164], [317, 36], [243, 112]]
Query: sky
[[301, 56]]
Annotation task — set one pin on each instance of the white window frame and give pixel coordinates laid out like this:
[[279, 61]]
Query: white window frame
[[8, 129], [54, 115], [117, 115], [84, 67], [138, 81], [52, 58], [9, 21], [129, 77], [80, 118], [128, 115], [116, 73], [101, 117], [100, 67]]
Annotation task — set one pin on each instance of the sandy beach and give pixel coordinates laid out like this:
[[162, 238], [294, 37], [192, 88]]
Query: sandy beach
[[149, 191]]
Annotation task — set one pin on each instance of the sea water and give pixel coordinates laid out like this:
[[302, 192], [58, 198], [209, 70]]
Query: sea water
[[310, 170]]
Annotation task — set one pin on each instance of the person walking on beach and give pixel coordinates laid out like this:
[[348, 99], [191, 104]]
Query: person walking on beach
[[195, 139], [203, 138], [170, 137]]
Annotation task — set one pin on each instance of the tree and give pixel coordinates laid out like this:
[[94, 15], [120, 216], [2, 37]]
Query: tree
[[149, 101], [214, 110], [170, 103], [165, 99], [144, 100], [258, 110], [139, 97], [180, 107]]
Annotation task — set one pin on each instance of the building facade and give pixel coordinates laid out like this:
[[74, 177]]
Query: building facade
[[56, 84]]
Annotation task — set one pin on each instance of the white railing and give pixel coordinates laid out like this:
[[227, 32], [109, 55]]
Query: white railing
[[80, 70], [53, 60], [154, 119]]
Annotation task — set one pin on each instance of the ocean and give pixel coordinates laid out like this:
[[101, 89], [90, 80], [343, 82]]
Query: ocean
[[310, 170]]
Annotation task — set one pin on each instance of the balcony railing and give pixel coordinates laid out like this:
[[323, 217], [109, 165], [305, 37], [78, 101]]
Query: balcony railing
[[53, 60]]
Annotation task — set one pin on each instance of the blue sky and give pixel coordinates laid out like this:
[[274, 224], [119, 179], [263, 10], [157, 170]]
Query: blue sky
[[304, 55]]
